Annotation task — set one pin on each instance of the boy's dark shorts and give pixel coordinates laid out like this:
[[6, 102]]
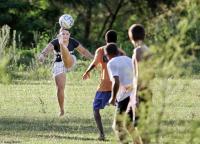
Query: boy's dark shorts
[[122, 108]]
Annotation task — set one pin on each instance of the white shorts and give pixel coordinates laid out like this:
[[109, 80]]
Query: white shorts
[[58, 67]]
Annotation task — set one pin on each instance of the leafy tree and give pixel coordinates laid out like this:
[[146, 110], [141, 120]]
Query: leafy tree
[[93, 17]]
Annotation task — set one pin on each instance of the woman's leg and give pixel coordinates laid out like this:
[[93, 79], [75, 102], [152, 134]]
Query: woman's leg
[[66, 57], [60, 84]]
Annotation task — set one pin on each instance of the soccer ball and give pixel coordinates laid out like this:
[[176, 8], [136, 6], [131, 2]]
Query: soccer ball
[[66, 21]]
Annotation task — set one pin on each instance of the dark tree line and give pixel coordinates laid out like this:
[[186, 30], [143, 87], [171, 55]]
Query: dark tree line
[[92, 17]]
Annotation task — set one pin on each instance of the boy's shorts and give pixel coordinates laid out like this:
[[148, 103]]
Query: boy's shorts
[[101, 99], [123, 107], [59, 67]]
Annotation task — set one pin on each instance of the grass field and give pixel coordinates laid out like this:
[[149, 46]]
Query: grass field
[[29, 112]]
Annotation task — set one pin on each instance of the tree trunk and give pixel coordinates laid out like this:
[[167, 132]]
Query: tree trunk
[[113, 18], [104, 26], [88, 21]]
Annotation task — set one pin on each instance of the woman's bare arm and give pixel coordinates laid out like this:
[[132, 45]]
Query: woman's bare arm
[[84, 52], [49, 48], [121, 51]]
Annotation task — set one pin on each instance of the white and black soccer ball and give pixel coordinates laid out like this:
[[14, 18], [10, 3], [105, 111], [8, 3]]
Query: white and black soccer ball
[[66, 21]]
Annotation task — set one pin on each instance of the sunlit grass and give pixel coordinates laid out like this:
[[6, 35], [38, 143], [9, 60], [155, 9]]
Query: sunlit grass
[[29, 112]]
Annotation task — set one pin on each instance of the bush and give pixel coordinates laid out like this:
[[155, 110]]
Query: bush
[[174, 36], [26, 58]]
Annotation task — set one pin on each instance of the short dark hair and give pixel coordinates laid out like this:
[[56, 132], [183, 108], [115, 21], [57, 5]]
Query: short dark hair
[[111, 49], [137, 32], [111, 36]]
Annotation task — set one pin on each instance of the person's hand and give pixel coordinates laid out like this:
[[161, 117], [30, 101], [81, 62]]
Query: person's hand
[[41, 58], [112, 101], [86, 75]]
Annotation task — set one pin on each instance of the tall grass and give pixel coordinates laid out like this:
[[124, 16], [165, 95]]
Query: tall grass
[[170, 113], [5, 76], [4, 39]]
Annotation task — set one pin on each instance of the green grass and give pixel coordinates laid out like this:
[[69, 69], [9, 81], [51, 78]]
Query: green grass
[[29, 112], [179, 101]]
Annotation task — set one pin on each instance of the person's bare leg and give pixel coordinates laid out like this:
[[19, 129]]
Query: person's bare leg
[[66, 57], [133, 131], [60, 84], [63, 39], [118, 127], [138, 139], [97, 118], [130, 126]]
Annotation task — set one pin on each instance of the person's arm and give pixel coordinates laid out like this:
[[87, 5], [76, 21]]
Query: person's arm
[[136, 58], [121, 51], [49, 48], [92, 65], [141, 54], [113, 72], [115, 89], [135, 71], [84, 52]]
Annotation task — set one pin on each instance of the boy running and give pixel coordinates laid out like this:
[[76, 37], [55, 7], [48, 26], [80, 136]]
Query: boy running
[[121, 73], [103, 93]]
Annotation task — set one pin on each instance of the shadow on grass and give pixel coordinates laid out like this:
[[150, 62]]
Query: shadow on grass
[[33, 127], [177, 122], [69, 137], [33, 82], [10, 142], [178, 128]]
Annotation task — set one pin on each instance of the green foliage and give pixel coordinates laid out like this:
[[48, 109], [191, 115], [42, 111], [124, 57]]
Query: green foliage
[[41, 40], [38, 71], [176, 38], [28, 16], [173, 34], [26, 57], [174, 44], [92, 17]]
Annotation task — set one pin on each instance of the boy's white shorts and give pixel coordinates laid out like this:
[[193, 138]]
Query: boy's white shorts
[[58, 67]]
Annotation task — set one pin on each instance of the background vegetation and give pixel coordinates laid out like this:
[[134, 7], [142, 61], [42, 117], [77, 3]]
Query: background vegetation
[[173, 35]]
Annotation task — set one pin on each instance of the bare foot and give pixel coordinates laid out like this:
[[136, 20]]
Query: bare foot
[[101, 138], [61, 113]]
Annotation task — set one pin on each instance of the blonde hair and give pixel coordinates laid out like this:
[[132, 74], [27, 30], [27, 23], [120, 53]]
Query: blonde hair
[[61, 29]]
